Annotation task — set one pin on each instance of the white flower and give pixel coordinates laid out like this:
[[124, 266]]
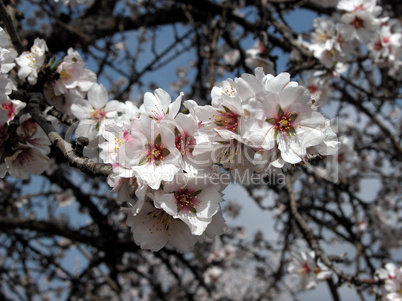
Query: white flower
[[194, 200], [159, 104], [303, 265], [212, 274], [359, 19], [393, 287], [93, 112], [385, 47], [7, 53], [73, 77], [153, 228], [256, 57], [221, 136], [12, 107], [281, 116], [320, 90], [392, 278], [30, 62], [146, 150], [231, 57], [186, 128], [328, 45], [388, 272], [28, 154], [323, 34]]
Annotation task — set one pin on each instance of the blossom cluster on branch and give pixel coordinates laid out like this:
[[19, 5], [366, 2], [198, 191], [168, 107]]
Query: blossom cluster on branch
[[170, 161]]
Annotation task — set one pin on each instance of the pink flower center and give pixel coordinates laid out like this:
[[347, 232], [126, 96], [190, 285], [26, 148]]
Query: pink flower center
[[161, 218], [386, 40], [341, 158], [378, 46], [185, 143], [340, 39], [187, 199], [358, 7], [357, 23], [312, 88], [284, 123], [155, 153], [226, 120], [98, 115], [9, 108], [306, 269]]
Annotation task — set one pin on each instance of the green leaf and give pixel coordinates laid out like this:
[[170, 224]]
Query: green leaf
[[177, 132], [280, 112], [293, 117], [158, 140]]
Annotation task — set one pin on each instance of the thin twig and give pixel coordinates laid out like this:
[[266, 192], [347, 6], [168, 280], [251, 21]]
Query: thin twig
[[310, 238]]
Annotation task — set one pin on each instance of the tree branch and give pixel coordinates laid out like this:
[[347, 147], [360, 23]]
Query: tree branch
[[12, 32], [84, 164]]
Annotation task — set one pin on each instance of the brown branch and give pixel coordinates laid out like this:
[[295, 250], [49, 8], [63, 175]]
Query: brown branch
[[34, 101], [310, 238], [348, 98], [12, 32]]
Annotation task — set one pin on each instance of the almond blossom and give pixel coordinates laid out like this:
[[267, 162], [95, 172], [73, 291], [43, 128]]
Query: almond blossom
[[385, 47], [359, 20], [220, 139], [281, 116], [392, 277], [159, 104], [194, 200], [304, 266], [92, 112], [73, 78], [153, 228], [11, 106], [7, 53], [147, 150], [27, 154], [30, 62]]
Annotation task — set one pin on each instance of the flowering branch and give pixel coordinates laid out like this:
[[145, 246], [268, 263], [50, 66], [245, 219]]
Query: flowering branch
[[310, 238], [84, 164]]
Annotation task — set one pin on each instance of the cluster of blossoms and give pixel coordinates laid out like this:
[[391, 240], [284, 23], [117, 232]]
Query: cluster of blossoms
[[23, 144], [307, 269], [391, 276], [171, 166], [335, 40], [172, 162]]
